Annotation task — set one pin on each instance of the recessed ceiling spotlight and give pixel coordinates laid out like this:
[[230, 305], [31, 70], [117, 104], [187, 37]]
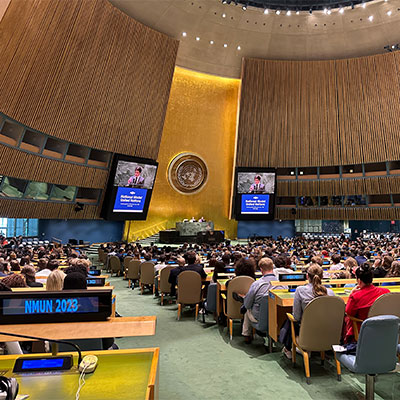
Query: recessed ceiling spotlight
[[223, 15], [389, 13], [266, 11], [278, 12], [184, 34], [341, 10], [197, 38], [288, 13], [239, 48], [211, 41], [371, 18], [225, 45]]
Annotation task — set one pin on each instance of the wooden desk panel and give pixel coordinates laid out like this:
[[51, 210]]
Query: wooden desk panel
[[114, 327]]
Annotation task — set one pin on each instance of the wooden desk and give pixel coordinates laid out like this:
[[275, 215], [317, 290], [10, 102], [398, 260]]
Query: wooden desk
[[120, 374], [113, 327], [280, 301], [38, 289]]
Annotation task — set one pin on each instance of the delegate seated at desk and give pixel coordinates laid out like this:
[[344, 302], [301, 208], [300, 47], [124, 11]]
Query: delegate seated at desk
[[257, 291], [192, 266], [303, 296]]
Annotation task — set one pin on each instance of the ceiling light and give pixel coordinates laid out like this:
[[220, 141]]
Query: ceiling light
[[278, 12], [239, 48], [291, 172], [197, 38], [184, 34], [225, 45], [223, 15], [371, 17], [301, 172], [288, 13], [389, 13], [351, 171], [211, 41], [341, 10], [266, 11]]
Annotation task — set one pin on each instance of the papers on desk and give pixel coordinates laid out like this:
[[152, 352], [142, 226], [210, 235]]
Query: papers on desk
[[339, 349]]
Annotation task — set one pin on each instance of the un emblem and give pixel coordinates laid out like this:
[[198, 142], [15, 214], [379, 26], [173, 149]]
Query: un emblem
[[187, 173]]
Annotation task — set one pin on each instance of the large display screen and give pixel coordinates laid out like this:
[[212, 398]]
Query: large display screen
[[254, 195], [129, 189], [255, 204]]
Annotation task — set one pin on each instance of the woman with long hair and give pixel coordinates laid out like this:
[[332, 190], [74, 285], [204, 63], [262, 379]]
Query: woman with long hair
[[303, 295]]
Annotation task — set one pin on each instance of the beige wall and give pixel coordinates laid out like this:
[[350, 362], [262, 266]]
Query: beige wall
[[201, 118]]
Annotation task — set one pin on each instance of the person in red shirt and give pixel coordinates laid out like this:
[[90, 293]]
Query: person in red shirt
[[361, 298]]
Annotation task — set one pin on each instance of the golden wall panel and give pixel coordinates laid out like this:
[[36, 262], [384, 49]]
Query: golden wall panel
[[200, 119], [85, 72], [316, 113]]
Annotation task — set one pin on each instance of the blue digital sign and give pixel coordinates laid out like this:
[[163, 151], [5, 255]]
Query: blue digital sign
[[130, 200], [29, 306], [43, 363], [255, 204]]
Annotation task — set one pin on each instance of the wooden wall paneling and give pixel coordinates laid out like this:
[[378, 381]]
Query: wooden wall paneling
[[87, 73]]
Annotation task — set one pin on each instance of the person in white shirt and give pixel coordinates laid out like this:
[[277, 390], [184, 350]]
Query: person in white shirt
[[336, 264]]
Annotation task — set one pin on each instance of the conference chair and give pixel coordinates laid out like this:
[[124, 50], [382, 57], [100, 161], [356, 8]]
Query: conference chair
[[189, 291], [210, 305], [376, 350], [164, 287], [320, 328], [239, 284], [126, 264], [261, 326], [387, 304], [115, 265], [100, 253], [146, 275], [133, 273]]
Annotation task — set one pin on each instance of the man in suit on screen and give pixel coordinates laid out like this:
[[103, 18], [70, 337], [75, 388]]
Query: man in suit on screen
[[136, 180], [257, 186]]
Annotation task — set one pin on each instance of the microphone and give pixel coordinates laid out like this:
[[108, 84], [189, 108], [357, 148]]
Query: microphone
[[49, 340]]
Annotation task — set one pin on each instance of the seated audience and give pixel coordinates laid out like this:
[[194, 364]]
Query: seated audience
[[14, 265], [361, 298], [350, 266], [74, 280], [14, 281], [4, 268], [382, 267], [394, 270], [253, 298], [191, 266], [219, 268], [302, 296], [336, 264], [55, 281], [29, 273]]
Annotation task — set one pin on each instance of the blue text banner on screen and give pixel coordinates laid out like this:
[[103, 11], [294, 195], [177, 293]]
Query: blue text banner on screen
[[255, 204], [50, 306], [130, 200], [43, 363]]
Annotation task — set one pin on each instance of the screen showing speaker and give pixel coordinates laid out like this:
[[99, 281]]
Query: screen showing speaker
[[254, 195], [129, 188]]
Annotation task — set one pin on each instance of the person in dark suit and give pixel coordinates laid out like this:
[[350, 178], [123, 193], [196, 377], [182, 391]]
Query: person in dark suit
[[257, 186], [136, 180], [191, 266]]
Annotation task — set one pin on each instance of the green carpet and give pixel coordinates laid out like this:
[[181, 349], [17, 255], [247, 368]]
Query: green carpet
[[197, 362]]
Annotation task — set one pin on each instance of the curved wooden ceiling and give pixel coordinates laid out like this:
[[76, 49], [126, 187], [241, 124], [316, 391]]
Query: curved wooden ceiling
[[295, 37]]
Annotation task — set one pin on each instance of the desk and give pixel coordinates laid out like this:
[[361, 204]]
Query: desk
[[41, 288], [113, 327], [120, 374], [280, 301]]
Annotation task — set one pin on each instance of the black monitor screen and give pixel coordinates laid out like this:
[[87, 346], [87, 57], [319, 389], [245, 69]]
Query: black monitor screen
[[129, 189], [254, 197]]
